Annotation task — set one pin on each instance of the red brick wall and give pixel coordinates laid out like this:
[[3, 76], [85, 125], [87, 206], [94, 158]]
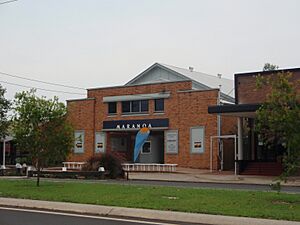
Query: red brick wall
[[247, 93], [191, 111], [81, 116], [184, 110]]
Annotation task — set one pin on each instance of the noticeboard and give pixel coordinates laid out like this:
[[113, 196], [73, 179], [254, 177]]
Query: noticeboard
[[171, 139]]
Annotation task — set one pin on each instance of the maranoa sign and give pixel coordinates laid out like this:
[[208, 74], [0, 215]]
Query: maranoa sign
[[135, 124]]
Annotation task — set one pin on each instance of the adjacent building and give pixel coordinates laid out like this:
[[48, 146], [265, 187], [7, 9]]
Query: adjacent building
[[253, 156]]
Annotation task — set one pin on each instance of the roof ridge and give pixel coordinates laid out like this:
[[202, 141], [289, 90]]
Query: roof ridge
[[163, 64]]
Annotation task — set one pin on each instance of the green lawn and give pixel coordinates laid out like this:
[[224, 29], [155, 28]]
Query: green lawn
[[236, 203]]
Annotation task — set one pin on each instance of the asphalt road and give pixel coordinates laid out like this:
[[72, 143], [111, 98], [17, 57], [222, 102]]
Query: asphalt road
[[13, 216]]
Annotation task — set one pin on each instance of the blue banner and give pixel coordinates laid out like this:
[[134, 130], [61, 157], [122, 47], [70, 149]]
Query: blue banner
[[140, 140]]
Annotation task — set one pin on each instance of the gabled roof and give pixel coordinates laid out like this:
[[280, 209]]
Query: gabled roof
[[201, 81]]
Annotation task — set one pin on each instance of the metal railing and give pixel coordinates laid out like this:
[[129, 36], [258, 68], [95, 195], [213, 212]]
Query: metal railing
[[148, 167]]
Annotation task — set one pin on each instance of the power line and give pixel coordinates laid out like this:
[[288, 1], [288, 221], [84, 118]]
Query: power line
[[43, 89], [1, 3], [40, 81]]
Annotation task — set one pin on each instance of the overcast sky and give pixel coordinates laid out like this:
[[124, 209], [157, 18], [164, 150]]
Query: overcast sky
[[94, 43]]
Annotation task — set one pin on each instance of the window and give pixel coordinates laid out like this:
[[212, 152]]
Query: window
[[112, 108], [137, 106], [144, 106], [126, 107], [146, 148], [159, 105]]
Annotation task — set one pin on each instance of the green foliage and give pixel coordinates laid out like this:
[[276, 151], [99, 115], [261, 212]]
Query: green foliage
[[278, 119], [270, 67], [111, 164], [4, 108], [40, 128]]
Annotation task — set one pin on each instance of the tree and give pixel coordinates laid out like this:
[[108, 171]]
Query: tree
[[40, 128], [270, 67], [4, 108], [278, 119]]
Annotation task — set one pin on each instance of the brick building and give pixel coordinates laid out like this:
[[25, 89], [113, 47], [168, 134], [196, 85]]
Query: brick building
[[171, 101], [253, 156]]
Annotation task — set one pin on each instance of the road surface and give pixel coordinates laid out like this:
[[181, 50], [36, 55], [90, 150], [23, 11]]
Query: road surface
[[17, 216]]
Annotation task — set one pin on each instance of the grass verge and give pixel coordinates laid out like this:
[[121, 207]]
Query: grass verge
[[257, 204]]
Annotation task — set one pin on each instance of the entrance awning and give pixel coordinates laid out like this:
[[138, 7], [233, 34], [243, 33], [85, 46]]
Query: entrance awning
[[240, 110]]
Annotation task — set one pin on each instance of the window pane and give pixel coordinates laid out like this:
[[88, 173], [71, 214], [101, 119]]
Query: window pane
[[135, 106], [112, 107], [144, 106], [159, 104], [146, 147], [126, 107]]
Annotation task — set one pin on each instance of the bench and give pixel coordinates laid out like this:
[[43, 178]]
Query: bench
[[74, 165]]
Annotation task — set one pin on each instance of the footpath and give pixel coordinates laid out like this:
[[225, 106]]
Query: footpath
[[110, 211], [196, 175]]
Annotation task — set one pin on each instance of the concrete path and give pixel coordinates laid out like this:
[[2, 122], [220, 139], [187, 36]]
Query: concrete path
[[205, 176], [139, 213]]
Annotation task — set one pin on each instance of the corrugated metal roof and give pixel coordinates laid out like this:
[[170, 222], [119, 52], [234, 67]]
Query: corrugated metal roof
[[206, 79], [201, 81]]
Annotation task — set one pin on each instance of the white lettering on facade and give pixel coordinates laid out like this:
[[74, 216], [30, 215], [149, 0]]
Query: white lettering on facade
[[133, 126]]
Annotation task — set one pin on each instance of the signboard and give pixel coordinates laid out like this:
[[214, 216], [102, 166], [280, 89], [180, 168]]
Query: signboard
[[171, 138], [197, 139], [99, 142], [79, 142], [135, 124]]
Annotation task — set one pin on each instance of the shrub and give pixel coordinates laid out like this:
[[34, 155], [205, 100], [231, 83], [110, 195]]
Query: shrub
[[111, 164]]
